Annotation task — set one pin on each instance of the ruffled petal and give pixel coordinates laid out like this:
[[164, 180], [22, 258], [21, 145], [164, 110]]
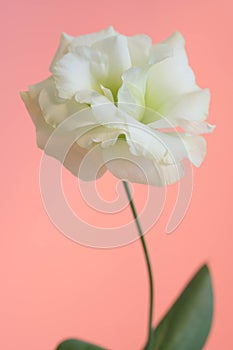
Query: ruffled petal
[[189, 106], [92, 38], [43, 130], [124, 165], [175, 41], [142, 140], [171, 77], [98, 134], [180, 146], [116, 51], [107, 93], [73, 73], [173, 45], [196, 127], [196, 148], [65, 41], [55, 109], [139, 49], [94, 165], [163, 147], [131, 95], [35, 89]]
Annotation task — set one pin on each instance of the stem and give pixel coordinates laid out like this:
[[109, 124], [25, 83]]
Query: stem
[[126, 186]]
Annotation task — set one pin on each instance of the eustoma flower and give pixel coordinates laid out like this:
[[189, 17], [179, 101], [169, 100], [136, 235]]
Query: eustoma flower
[[138, 102], [122, 104]]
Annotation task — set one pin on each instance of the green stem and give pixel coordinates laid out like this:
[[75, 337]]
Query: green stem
[[126, 186]]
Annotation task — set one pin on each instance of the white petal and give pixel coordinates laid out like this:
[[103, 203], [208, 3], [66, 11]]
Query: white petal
[[196, 148], [55, 109], [160, 52], [105, 112], [139, 48], [65, 41], [73, 73], [173, 146], [193, 127], [89, 96], [124, 165], [172, 172], [84, 96], [131, 95], [169, 79], [97, 60], [142, 140], [163, 123], [35, 89], [166, 148], [196, 127], [116, 51], [175, 41], [190, 106], [172, 46], [78, 121], [90, 39], [43, 130], [98, 134], [107, 93], [75, 154], [180, 146], [74, 159]]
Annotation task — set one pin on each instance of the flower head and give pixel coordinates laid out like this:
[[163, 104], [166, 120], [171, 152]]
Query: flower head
[[135, 103]]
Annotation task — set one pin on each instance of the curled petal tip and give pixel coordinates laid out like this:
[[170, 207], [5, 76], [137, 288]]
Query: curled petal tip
[[23, 95]]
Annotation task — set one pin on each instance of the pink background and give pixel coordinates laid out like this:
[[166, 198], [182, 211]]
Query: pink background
[[52, 288]]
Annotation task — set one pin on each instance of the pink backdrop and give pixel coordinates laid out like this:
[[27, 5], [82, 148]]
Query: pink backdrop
[[52, 288]]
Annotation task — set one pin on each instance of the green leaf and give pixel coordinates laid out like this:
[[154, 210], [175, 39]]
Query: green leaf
[[188, 322], [73, 344]]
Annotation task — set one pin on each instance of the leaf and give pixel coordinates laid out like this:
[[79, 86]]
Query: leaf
[[188, 322], [73, 344]]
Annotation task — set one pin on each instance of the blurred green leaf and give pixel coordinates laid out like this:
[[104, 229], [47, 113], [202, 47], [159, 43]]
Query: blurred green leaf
[[73, 344], [188, 322]]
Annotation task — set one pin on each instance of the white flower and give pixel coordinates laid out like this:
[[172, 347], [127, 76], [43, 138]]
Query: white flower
[[138, 102]]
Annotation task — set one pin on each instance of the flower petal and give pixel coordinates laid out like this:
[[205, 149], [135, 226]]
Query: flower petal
[[132, 92], [107, 93], [74, 159], [92, 38], [98, 134], [116, 51], [175, 41], [139, 48], [173, 45], [65, 41], [196, 148], [190, 106], [55, 109], [163, 147], [171, 77], [73, 73], [196, 127], [160, 52], [124, 165], [142, 140], [44, 131]]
